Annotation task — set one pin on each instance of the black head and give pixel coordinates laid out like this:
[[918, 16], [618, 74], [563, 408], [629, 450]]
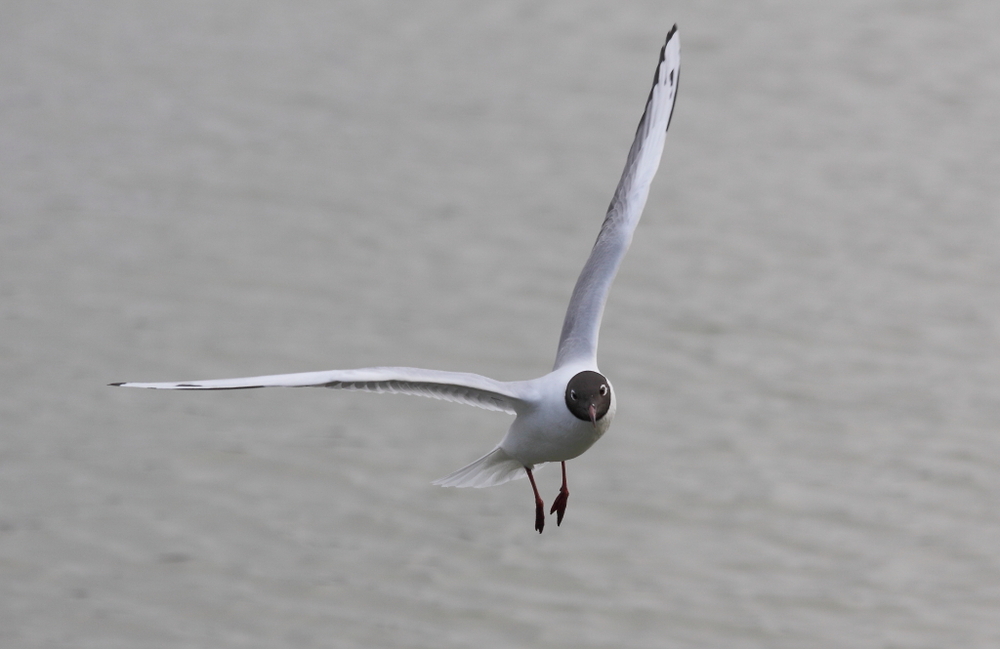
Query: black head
[[588, 396]]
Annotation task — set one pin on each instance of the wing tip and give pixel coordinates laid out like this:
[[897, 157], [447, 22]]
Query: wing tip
[[666, 44], [674, 78], [181, 386], [663, 50]]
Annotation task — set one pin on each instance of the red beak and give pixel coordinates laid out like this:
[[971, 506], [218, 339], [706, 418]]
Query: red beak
[[593, 415]]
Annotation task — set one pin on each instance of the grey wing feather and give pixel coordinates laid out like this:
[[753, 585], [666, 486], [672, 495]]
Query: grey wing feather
[[470, 389], [578, 342]]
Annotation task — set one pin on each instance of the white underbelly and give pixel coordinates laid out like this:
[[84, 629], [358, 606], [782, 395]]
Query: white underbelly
[[558, 440]]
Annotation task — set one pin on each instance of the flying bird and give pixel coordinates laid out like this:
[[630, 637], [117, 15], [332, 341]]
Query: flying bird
[[560, 415]]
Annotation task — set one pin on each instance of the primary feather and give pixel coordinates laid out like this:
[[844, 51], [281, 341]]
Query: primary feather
[[460, 387]]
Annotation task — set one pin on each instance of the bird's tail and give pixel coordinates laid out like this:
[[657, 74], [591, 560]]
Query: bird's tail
[[494, 468]]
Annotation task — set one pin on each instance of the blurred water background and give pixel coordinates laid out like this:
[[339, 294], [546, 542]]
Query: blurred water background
[[804, 337]]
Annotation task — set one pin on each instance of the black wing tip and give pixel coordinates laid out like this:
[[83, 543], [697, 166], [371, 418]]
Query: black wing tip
[[193, 386], [674, 79], [663, 50]]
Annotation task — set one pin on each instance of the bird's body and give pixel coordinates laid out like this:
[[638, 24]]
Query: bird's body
[[544, 431], [563, 413], [548, 431]]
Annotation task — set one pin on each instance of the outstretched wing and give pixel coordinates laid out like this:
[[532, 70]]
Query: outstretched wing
[[578, 342], [471, 389]]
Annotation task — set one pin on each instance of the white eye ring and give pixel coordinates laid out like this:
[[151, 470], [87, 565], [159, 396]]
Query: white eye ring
[[604, 390], [572, 395]]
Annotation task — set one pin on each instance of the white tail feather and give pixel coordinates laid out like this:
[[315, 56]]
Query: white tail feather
[[494, 468]]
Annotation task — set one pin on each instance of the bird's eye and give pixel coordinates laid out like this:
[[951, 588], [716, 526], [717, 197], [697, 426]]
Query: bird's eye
[[572, 395], [604, 390]]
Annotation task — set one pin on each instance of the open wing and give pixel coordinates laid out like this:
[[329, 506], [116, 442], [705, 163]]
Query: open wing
[[471, 389], [578, 342]]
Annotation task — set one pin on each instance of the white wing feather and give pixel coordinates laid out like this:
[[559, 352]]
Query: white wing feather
[[583, 317], [470, 389], [578, 342]]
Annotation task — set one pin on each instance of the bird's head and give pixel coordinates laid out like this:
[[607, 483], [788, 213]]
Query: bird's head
[[588, 396]]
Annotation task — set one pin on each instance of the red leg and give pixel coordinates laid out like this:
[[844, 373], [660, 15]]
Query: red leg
[[559, 506], [539, 505]]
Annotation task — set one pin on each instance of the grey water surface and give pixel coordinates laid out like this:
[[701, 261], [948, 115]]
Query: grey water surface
[[805, 337]]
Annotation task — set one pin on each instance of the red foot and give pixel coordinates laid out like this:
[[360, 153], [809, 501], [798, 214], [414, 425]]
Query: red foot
[[539, 505], [559, 506]]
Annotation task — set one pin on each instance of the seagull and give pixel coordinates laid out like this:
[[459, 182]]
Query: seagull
[[562, 414]]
